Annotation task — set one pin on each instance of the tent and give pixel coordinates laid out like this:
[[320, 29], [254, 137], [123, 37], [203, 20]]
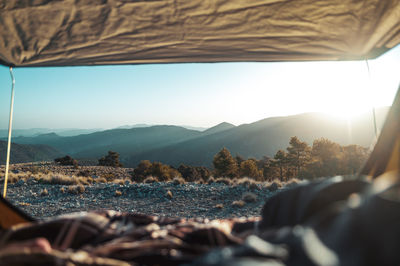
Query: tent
[[96, 32]]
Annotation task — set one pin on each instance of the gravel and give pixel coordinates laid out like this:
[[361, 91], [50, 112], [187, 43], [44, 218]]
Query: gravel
[[188, 200]]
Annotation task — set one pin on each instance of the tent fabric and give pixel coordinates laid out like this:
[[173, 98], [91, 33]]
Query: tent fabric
[[98, 32], [11, 215]]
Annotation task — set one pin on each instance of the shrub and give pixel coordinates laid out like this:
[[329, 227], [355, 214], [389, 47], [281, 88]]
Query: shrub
[[76, 189], [118, 193], [162, 171], [111, 159], [249, 197], [62, 189], [109, 176], [193, 173], [219, 206], [101, 180], [66, 160]]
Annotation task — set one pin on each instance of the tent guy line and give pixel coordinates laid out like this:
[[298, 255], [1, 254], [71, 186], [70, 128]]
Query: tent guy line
[[9, 132]]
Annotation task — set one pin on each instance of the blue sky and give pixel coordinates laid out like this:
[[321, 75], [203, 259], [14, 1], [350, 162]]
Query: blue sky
[[194, 94]]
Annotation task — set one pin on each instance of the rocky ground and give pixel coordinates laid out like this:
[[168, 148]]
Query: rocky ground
[[213, 201], [186, 200]]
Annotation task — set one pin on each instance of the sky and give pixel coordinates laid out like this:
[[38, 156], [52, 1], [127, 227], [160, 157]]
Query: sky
[[200, 95]]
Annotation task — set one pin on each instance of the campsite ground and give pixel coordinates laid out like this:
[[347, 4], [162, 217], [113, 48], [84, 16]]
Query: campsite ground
[[215, 200]]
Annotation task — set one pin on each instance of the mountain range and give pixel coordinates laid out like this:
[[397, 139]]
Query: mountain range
[[176, 144], [22, 153]]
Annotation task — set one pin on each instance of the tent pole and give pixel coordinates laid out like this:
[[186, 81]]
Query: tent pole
[[9, 133], [373, 107]]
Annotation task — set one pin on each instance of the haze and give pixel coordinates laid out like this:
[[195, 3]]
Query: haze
[[201, 95]]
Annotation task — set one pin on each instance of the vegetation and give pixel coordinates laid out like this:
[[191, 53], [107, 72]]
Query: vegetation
[[224, 164], [298, 161], [323, 159], [161, 171], [66, 160], [111, 159]]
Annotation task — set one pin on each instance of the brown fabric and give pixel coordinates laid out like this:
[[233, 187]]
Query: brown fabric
[[386, 154], [95, 32], [134, 238], [10, 215]]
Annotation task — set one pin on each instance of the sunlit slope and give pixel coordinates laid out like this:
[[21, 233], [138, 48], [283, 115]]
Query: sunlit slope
[[265, 137]]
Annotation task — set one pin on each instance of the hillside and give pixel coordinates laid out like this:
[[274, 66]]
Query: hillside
[[124, 141], [27, 153], [175, 145], [264, 137]]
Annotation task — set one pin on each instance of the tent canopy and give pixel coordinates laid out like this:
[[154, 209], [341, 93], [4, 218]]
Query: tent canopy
[[98, 32]]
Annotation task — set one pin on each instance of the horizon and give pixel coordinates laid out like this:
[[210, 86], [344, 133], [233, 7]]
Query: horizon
[[196, 95], [331, 117]]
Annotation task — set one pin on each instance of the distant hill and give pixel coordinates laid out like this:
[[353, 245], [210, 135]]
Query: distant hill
[[218, 128], [124, 141], [33, 132], [264, 137], [27, 153], [174, 144]]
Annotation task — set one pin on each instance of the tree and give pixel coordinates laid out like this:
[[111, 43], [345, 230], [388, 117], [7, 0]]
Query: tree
[[326, 157], [299, 153], [239, 159], [111, 159], [249, 168], [225, 164], [354, 156], [280, 161]]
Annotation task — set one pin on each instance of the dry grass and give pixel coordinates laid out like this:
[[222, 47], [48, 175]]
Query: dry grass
[[219, 206], [150, 179], [44, 193], [169, 194], [76, 189], [248, 182], [238, 203], [224, 180]]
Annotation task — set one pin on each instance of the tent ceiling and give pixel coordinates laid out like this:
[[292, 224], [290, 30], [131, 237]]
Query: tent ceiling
[[96, 32]]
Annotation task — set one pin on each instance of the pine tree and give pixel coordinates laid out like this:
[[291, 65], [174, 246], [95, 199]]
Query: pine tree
[[225, 164], [299, 153]]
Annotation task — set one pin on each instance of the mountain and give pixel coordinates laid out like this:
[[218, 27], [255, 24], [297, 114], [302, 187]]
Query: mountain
[[218, 128], [175, 145], [27, 153], [33, 132], [124, 141], [264, 138]]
